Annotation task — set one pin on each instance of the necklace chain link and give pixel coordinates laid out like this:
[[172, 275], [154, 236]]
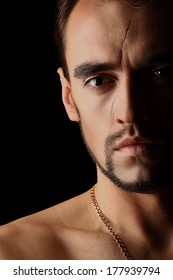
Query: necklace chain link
[[105, 221]]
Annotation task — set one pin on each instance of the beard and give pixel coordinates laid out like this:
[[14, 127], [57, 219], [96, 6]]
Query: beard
[[158, 178]]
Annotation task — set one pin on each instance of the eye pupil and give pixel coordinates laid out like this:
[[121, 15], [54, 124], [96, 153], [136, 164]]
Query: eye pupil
[[158, 73], [162, 73], [99, 81]]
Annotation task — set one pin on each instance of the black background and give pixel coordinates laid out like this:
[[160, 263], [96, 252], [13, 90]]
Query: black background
[[43, 158]]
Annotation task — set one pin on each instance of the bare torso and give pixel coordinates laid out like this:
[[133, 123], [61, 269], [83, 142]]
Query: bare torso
[[64, 231], [71, 230]]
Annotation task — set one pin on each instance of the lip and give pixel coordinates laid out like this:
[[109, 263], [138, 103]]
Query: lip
[[135, 147], [130, 142]]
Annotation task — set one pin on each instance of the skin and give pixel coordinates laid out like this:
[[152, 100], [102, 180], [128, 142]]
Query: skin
[[125, 115]]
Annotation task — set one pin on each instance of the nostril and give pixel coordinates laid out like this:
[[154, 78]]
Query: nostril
[[120, 121]]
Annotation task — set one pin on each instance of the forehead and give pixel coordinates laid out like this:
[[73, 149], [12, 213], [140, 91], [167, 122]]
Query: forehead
[[101, 29]]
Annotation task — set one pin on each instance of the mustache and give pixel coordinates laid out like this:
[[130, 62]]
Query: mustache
[[135, 131]]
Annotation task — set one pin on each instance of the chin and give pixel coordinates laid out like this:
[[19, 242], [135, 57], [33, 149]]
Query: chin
[[139, 179], [141, 182]]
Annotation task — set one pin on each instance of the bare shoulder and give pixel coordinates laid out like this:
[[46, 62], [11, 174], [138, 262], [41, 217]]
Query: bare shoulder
[[42, 235], [68, 230]]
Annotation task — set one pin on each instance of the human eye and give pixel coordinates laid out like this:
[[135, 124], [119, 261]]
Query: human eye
[[163, 73], [100, 83]]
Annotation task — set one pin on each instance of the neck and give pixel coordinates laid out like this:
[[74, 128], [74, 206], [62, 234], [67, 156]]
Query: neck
[[149, 216]]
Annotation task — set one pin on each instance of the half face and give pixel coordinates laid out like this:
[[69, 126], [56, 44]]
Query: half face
[[120, 62]]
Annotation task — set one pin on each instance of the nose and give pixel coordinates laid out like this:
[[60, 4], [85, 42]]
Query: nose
[[130, 103]]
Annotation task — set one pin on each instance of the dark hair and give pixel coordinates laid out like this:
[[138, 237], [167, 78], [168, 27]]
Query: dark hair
[[63, 9]]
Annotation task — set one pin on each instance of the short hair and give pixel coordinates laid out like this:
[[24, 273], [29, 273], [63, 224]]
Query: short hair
[[63, 10]]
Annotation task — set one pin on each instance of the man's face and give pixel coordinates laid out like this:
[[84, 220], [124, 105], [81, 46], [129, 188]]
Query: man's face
[[120, 62]]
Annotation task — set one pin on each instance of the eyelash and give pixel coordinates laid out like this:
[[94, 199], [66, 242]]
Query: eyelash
[[107, 83], [160, 72]]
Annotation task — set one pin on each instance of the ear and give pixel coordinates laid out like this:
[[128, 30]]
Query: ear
[[67, 97]]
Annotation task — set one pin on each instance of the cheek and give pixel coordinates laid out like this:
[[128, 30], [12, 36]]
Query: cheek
[[164, 109], [92, 106], [95, 131], [95, 118], [95, 134]]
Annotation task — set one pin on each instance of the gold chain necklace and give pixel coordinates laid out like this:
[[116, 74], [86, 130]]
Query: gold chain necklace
[[105, 221]]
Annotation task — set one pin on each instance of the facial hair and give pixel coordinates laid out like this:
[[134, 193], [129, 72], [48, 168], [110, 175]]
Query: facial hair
[[156, 181]]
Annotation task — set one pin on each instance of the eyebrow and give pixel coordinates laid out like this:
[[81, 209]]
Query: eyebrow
[[91, 68], [164, 57]]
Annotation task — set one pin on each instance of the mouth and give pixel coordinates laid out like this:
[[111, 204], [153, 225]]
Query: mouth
[[135, 147]]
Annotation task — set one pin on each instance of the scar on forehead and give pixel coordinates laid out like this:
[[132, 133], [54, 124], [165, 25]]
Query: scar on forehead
[[123, 42], [121, 60]]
